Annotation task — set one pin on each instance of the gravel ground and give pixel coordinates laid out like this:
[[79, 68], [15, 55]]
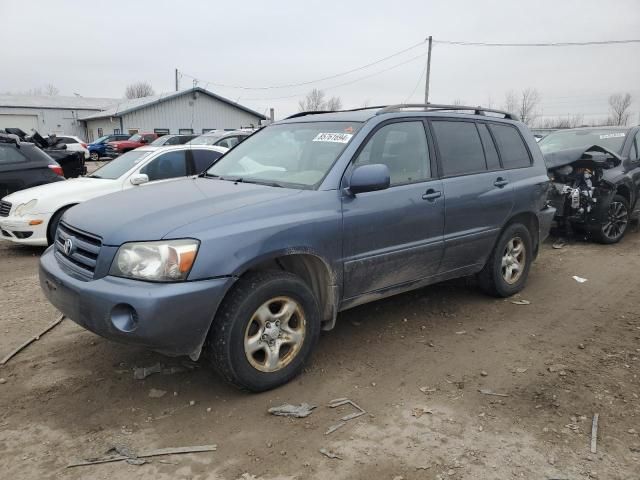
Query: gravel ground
[[414, 362]]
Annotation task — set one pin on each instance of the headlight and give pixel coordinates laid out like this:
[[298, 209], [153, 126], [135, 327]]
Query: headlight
[[163, 261], [23, 208]]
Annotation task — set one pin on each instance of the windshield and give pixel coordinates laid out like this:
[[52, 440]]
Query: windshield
[[135, 138], [205, 139], [293, 154], [609, 138], [102, 139], [158, 142], [121, 165]]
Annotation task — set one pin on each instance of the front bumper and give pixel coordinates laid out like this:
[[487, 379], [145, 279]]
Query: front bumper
[[17, 229], [171, 318]]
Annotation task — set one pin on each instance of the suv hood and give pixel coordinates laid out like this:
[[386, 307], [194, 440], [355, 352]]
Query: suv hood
[[592, 156], [151, 212]]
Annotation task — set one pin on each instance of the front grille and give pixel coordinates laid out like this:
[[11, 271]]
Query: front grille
[[5, 208], [84, 251]]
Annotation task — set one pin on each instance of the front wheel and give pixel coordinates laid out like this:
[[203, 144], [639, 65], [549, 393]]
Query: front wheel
[[507, 269], [614, 221], [264, 330], [94, 156]]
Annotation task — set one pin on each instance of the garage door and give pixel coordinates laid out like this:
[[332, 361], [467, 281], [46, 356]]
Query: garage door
[[28, 123]]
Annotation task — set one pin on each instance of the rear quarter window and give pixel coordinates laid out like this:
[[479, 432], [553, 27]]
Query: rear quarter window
[[10, 154], [459, 146], [513, 151]]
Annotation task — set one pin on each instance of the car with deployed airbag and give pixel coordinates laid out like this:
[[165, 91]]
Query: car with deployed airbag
[[307, 217]]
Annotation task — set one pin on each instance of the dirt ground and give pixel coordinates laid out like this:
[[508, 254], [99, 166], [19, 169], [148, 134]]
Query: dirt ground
[[415, 362]]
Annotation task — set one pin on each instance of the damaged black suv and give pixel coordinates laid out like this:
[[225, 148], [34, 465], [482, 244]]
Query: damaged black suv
[[595, 175]]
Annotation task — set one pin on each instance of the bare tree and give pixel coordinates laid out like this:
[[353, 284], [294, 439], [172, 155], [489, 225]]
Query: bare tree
[[510, 101], [619, 107], [570, 121], [315, 101], [525, 104], [139, 90], [334, 103], [51, 90], [528, 105]]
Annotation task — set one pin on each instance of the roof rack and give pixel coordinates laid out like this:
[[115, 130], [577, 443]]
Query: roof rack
[[437, 107], [314, 112]]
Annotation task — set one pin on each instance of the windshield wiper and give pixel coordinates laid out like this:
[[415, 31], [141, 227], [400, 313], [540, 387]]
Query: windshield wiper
[[261, 182], [209, 175], [94, 176]]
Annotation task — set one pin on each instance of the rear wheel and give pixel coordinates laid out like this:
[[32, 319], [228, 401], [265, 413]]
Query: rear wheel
[[94, 156], [614, 221], [264, 330], [507, 269]]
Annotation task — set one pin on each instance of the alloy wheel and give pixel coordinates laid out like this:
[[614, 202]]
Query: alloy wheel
[[275, 334], [617, 220], [514, 259]]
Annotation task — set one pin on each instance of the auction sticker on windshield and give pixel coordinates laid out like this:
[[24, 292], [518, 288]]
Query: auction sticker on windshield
[[612, 135], [333, 137]]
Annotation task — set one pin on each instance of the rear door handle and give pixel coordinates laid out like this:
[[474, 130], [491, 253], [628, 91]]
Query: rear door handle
[[431, 194], [500, 182]]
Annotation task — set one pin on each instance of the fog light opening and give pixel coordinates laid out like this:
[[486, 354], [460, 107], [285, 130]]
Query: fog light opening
[[124, 317]]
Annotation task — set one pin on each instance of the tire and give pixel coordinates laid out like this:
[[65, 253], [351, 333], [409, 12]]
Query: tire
[[499, 280], [53, 224], [239, 327], [614, 221], [94, 156]]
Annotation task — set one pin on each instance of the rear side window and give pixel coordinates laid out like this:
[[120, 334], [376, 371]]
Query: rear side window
[[203, 159], [490, 152], [460, 147], [10, 155], [513, 151]]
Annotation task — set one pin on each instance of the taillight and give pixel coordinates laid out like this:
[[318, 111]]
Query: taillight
[[57, 169], [84, 145]]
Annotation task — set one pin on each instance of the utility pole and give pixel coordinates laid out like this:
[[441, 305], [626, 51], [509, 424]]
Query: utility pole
[[426, 82], [177, 84]]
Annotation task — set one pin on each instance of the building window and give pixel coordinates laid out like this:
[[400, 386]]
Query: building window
[[185, 131], [133, 131], [161, 131], [205, 130], [99, 132], [116, 131]]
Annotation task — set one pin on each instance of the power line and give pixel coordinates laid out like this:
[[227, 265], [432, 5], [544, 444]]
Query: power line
[[309, 82], [538, 44], [422, 72], [412, 59]]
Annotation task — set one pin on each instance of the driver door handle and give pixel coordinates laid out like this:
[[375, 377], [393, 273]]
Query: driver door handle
[[431, 194], [500, 182]]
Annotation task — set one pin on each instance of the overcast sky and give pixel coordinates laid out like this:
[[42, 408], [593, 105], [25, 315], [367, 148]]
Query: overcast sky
[[97, 48]]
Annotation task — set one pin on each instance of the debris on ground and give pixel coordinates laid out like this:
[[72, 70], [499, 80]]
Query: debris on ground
[[330, 454], [343, 421], [120, 453], [484, 373], [14, 352], [461, 332], [560, 243], [594, 433], [521, 302], [557, 367], [287, 410], [419, 411], [156, 393], [427, 390], [3, 381], [579, 279], [521, 370], [140, 373], [486, 391]]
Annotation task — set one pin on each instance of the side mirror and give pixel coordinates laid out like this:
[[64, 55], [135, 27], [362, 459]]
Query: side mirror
[[369, 178], [139, 179]]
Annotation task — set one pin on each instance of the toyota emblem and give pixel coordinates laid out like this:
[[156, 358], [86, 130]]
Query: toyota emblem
[[68, 246]]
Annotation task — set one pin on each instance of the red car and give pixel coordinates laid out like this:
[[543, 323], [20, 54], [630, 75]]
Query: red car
[[115, 149]]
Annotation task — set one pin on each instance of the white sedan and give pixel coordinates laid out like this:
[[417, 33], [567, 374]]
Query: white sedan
[[31, 216]]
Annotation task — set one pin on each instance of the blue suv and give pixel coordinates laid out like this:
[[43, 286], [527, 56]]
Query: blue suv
[[310, 216], [98, 147]]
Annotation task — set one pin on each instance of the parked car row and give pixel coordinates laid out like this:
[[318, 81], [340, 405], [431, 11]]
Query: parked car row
[[246, 262]]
